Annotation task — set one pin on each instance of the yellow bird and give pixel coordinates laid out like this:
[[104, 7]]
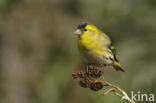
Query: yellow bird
[[96, 47]]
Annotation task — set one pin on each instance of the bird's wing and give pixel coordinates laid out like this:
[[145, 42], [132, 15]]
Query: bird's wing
[[111, 47]]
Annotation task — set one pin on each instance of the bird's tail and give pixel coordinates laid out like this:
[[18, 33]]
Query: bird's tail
[[117, 66]]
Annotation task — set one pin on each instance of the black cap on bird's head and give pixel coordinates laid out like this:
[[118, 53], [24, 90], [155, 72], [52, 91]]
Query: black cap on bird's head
[[82, 25], [81, 28]]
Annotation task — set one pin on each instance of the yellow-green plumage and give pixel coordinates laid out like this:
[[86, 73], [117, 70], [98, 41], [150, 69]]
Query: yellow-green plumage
[[96, 47]]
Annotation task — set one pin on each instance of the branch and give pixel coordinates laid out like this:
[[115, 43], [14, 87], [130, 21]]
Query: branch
[[96, 85], [114, 89]]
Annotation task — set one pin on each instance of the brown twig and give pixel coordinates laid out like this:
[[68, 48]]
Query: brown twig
[[108, 91], [114, 89], [87, 81]]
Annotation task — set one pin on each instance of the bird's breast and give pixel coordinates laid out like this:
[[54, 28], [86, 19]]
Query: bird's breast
[[94, 51]]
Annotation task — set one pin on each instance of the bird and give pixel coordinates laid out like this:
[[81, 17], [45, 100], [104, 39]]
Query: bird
[[96, 47]]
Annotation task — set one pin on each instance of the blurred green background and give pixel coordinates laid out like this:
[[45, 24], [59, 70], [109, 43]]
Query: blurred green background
[[38, 50]]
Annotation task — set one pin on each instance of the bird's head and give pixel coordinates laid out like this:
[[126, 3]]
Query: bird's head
[[85, 27]]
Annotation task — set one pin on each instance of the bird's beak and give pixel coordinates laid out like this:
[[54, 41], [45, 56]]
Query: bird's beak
[[78, 32]]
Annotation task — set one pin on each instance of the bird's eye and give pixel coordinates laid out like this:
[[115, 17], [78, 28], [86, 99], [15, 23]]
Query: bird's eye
[[85, 29]]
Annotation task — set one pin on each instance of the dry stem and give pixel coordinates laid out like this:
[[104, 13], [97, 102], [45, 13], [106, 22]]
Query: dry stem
[[114, 89], [96, 85]]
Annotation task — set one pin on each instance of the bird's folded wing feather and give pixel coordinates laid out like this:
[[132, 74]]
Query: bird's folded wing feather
[[111, 47]]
